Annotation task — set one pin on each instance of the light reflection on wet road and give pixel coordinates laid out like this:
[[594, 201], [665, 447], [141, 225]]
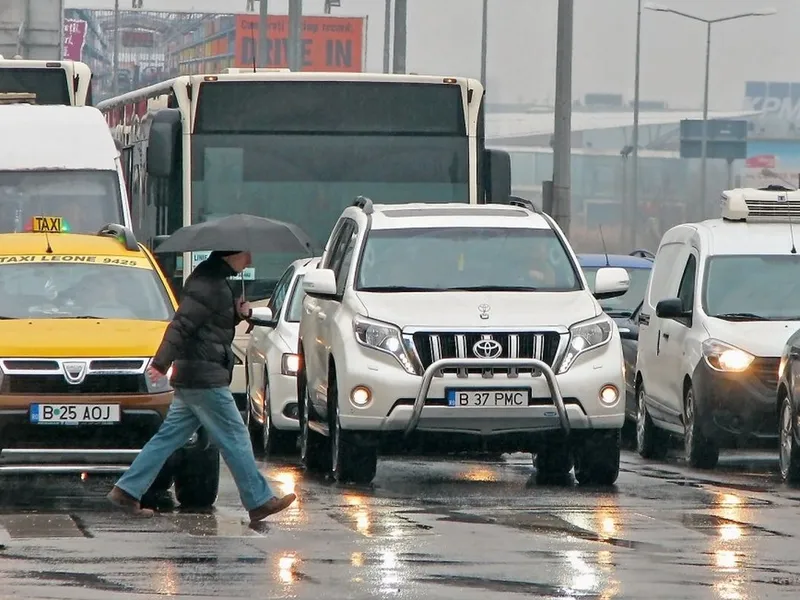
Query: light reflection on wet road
[[429, 528]]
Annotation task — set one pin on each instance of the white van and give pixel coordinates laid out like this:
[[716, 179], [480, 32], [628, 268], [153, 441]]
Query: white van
[[59, 161], [723, 298]]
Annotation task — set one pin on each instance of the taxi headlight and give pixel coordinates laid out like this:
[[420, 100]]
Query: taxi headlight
[[161, 384], [726, 358], [383, 337], [586, 336]]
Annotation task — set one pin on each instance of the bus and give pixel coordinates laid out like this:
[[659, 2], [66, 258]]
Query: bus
[[64, 82], [298, 147]]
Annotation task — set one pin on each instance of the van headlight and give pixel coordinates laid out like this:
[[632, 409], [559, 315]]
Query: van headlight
[[724, 357], [586, 336], [383, 337], [160, 384]]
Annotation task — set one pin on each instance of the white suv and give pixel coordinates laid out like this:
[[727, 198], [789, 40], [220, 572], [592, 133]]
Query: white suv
[[462, 320]]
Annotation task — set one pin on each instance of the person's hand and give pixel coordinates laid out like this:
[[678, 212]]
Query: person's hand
[[243, 308], [154, 374]]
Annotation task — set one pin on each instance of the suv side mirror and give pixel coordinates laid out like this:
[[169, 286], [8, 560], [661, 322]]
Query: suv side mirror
[[611, 282], [498, 176], [671, 308], [262, 317], [320, 284]]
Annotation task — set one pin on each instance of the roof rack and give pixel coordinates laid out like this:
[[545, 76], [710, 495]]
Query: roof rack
[[122, 233], [642, 253], [364, 204], [522, 203]]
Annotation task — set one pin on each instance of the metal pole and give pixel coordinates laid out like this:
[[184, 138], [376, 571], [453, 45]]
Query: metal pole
[[295, 48], [115, 67], [484, 40], [387, 38], [400, 32], [704, 140], [562, 134], [263, 34], [634, 196]]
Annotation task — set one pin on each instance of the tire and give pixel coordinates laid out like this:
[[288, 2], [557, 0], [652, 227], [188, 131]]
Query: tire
[[789, 455], [197, 476], [553, 462], [597, 460], [351, 462], [314, 449], [651, 442], [157, 494], [700, 452], [273, 441]]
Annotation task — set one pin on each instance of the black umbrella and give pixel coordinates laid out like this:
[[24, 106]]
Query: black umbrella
[[242, 233]]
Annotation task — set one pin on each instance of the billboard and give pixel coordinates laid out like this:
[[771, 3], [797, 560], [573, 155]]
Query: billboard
[[329, 43], [774, 99], [74, 38]]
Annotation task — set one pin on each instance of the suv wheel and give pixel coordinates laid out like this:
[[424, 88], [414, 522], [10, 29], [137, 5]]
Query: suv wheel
[[553, 461], [197, 476], [273, 441], [351, 462], [789, 457], [158, 494], [313, 449], [700, 452], [651, 442], [597, 459]]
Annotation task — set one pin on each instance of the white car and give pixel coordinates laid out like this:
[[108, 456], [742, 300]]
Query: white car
[[464, 320], [271, 363]]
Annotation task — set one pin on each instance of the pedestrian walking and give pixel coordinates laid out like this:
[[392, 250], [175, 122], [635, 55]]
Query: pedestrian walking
[[197, 343]]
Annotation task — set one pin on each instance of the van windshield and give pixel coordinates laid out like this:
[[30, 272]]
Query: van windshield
[[86, 200], [753, 287]]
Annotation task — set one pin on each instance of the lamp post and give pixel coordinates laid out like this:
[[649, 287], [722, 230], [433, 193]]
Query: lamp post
[[634, 198], [484, 41], [709, 23]]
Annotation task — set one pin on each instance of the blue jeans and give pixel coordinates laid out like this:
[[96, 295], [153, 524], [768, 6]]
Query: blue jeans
[[214, 409]]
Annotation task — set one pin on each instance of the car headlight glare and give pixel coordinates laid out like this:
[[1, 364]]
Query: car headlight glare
[[586, 336], [724, 357], [290, 364], [383, 337]]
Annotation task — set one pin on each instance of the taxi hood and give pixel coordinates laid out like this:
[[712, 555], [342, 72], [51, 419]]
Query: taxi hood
[[461, 309], [79, 338]]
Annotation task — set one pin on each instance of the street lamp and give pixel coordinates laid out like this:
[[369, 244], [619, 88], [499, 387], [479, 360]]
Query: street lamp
[[709, 22]]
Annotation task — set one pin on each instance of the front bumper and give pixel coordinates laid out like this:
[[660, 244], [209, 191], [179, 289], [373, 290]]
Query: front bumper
[[737, 408], [405, 403], [107, 448], [283, 401]]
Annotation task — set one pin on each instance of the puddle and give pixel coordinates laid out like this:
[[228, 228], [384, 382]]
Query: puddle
[[81, 580], [715, 526], [501, 585], [35, 525]]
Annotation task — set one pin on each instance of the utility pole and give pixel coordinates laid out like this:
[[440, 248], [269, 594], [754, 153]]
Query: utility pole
[[387, 38], [484, 40], [115, 67], [263, 34], [295, 49], [562, 134], [634, 198], [400, 31]]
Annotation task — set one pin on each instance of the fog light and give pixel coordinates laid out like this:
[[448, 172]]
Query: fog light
[[360, 396], [290, 411], [609, 395]]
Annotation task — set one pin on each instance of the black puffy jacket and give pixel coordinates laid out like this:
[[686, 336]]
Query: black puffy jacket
[[198, 340]]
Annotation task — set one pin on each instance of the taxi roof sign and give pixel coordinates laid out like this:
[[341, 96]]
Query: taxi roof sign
[[46, 224], [772, 204]]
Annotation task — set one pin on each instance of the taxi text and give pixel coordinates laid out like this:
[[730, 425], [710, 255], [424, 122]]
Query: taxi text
[[71, 258]]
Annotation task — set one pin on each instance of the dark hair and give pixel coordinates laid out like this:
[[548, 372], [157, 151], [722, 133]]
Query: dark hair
[[223, 253]]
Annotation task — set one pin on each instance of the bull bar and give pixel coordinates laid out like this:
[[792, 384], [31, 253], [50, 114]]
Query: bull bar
[[488, 363]]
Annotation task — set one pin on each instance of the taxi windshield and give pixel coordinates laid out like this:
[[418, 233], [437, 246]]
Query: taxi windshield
[[63, 290], [87, 200]]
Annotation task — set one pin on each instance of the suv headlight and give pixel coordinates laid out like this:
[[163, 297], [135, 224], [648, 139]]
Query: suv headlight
[[724, 357], [161, 384], [383, 337], [586, 336]]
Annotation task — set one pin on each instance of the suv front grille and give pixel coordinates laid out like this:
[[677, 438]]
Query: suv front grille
[[432, 346]]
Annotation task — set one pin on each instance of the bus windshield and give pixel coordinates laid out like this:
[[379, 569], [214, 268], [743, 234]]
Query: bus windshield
[[302, 154], [86, 200], [50, 85]]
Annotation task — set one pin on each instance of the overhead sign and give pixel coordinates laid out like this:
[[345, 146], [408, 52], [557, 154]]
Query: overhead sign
[[773, 98], [331, 44], [727, 139]]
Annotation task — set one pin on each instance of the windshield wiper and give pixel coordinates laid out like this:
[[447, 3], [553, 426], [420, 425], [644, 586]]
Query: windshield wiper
[[490, 288], [77, 317], [3, 318], [740, 316], [397, 288], [619, 313]]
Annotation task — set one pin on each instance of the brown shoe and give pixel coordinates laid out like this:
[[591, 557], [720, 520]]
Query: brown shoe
[[128, 503], [272, 506]]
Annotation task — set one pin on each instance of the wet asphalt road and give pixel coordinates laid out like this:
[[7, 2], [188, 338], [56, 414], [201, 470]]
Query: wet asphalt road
[[432, 528]]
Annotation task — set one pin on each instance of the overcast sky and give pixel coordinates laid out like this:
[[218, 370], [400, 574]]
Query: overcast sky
[[444, 39]]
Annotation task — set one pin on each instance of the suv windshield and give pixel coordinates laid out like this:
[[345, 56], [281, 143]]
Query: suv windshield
[[86, 200], [64, 290], [764, 287], [459, 258], [622, 305]]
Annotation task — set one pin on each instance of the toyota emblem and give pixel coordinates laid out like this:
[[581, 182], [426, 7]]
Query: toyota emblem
[[487, 349], [484, 310]]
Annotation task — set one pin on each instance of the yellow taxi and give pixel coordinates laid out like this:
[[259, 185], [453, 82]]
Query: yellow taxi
[[80, 318]]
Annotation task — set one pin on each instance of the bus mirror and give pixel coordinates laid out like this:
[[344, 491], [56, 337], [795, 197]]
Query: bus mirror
[[158, 240], [498, 172], [163, 143]]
